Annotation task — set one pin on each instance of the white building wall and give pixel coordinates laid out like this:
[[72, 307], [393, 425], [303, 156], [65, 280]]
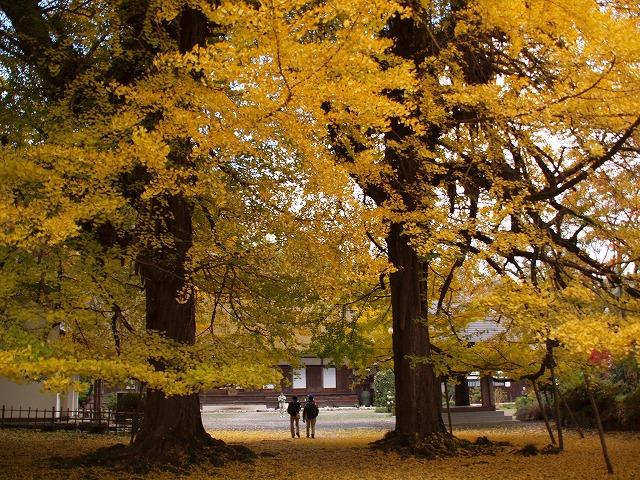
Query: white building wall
[[26, 395], [30, 395]]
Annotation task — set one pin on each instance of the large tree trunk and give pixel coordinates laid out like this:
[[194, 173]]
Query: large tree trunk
[[172, 429], [418, 397], [418, 405], [172, 426], [170, 423]]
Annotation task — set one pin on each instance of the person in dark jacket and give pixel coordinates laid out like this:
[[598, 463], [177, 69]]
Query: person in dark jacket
[[294, 416], [309, 415]]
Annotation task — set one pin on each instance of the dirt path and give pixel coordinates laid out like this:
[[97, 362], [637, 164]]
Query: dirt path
[[329, 419]]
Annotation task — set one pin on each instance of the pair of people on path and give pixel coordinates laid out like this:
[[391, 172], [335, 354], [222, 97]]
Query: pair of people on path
[[309, 415]]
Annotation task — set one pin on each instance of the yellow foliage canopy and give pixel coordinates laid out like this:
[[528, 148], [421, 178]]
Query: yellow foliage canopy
[[234, 128]]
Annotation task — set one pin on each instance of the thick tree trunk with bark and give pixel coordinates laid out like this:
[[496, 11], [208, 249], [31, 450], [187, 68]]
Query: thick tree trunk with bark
[[418, 397], [418, 409], [172, 430], [171, 427], [170, 424]]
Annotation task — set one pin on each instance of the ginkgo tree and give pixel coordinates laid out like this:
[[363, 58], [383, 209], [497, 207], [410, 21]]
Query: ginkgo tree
[[175, 143], [171, 211], [523, 120]]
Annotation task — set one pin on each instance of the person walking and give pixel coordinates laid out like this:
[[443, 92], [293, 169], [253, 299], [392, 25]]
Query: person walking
[[282, 401], [309, 415], [294, 416]]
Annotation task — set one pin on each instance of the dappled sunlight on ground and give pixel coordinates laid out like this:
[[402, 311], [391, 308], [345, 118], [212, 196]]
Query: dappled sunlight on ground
[[335, 454], [346, 455]]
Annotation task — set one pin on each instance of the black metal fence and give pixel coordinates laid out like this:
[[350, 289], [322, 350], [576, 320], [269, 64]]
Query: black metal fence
[[95, 421]]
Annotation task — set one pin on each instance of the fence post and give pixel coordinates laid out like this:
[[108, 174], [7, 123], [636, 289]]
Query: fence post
[[3, 417], [53, 418]]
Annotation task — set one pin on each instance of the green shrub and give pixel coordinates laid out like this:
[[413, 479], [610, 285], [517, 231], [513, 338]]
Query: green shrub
[[85, 392], [385, 390], [130, 402], [527, 409], [626, 372], [605, 395], [475, 395], [110, 400]]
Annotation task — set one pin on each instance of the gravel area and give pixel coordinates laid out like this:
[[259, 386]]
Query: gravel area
[[329, 419]]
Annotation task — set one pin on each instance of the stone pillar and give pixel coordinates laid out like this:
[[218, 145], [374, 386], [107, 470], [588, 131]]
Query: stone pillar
[[461, 392], [487, 392]]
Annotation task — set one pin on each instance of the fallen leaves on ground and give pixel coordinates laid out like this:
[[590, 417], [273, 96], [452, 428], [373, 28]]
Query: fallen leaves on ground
[[335, 454]]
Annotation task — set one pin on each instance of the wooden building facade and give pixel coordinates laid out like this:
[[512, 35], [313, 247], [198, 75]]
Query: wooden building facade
[[330, 385]]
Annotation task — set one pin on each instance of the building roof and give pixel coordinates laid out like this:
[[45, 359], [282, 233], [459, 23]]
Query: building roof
[[481, 330]]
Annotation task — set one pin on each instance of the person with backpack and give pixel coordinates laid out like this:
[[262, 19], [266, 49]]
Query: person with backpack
[[294, 416], [309, 415]]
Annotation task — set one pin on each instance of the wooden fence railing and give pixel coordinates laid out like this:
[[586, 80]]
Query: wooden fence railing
[[97, 421]]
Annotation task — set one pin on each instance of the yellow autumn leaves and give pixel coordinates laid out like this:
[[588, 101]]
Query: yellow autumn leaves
[[334, 454]]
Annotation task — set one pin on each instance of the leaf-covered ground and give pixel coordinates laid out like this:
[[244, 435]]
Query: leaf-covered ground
[[334, 454]]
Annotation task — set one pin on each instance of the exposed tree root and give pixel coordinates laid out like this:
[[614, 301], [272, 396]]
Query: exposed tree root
[[530, 450], [436, 445], [170, 454]]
